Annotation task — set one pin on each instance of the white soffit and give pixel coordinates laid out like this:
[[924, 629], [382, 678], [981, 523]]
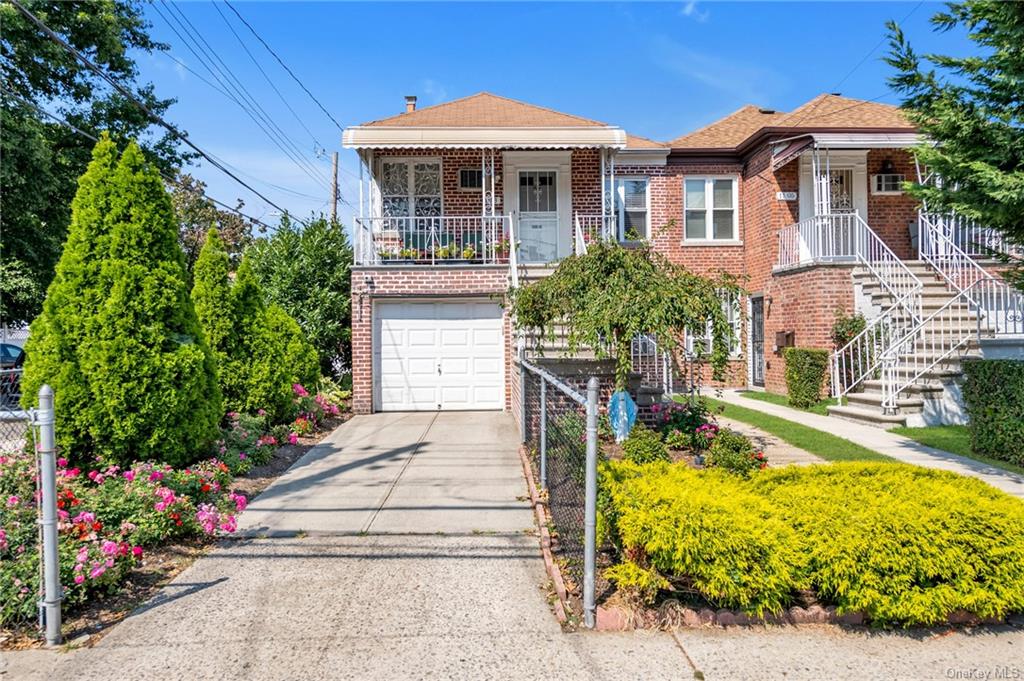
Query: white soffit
[[866, 140], [529, 138]]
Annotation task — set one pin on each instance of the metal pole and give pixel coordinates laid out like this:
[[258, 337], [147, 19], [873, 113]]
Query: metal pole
[[522, 401], [590, 507], [49, 607], [543, 434], [334, 187]]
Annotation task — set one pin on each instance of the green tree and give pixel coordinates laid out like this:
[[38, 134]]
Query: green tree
[[42, 160], [608, 296], [197, 214], [307, 271], [970, 110], [118, 338]]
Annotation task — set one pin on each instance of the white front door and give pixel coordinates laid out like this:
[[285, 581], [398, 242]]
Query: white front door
[[538, 216], [439, 355]]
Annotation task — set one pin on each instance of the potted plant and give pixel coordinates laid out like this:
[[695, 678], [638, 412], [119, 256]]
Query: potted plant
[[409, 254], [468, 252]]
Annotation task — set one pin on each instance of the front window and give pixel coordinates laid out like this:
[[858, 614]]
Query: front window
[[631, 208], [709, 209], [537, 191], [700, 341], [410, 188]]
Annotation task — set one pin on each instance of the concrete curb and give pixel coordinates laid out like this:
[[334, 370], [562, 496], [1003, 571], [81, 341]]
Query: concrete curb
[[562, 604]]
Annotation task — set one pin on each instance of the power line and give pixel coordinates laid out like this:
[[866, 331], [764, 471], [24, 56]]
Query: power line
[[169, 179], [141, 106], [226, 77], [283, 65], [265, 76]]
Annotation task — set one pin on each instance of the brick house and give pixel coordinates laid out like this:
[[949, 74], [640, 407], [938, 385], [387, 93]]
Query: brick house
[[462, 199]]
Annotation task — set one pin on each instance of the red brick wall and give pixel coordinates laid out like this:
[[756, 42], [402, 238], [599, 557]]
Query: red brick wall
[[391, 282], [804, 302], [889, 215], [586, 181]]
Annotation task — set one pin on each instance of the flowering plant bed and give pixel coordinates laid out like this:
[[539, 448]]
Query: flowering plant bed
[[126, 532]]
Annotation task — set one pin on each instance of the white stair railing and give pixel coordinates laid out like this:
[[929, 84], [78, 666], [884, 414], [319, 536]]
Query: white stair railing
[[652, 363], [847, 238], [579, 238]]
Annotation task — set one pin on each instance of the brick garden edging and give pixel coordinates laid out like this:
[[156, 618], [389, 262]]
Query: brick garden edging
[[562, 604]]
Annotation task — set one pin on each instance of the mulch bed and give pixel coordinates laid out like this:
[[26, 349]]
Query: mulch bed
[[87, 624]]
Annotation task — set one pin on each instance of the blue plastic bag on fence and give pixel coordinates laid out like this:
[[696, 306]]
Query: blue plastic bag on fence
[[622, 414]]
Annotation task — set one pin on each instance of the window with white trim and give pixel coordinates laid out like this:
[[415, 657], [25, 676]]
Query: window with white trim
[[410, 187], [710, 209], [887, 183], [632, 207], [701, 341]]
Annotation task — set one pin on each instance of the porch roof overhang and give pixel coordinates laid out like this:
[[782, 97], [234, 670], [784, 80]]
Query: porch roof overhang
[[785, 150], [578, 137]]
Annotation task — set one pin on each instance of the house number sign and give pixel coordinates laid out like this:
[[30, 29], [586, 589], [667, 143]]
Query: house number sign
[[785, 196]]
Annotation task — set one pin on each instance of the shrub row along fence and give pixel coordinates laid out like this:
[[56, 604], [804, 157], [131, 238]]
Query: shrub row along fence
[[559, 426]]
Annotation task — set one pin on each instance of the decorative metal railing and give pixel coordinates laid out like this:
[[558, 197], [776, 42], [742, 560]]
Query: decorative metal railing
[[969, 236], [437, 240]]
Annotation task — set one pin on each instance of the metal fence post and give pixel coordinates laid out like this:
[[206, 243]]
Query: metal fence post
[[522, 401], [49, 607], [543, 433], [590, 506]]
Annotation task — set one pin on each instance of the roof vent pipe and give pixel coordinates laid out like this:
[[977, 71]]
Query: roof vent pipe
[[410, 103]]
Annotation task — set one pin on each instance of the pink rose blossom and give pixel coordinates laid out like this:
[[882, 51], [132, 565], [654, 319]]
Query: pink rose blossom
[[156, 476], [299, 390], [62, 462], [3, 540], [109, 547], [293, 438], [97, 570], [12, 501], [137, 551], [79, 578], [129, 475]]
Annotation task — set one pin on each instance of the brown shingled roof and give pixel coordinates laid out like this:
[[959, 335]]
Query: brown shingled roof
[[822, 112], [638, 142], [484, 110], [833, 111], [728, 132]]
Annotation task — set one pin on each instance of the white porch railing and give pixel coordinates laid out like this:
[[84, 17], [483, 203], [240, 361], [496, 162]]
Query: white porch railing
[[652, 363], [590, 228], [845, 237], [969, 236], [438, 240]]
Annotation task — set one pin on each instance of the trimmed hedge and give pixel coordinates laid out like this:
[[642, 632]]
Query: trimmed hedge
[[850, 532], [994, 394], [805, 375]]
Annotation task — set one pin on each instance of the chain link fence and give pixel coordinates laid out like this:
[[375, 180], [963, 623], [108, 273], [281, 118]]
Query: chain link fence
[[14, 421], [559, 425]]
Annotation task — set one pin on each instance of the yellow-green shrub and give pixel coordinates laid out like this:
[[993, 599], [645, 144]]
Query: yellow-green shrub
[[900, 543], [703, 527]]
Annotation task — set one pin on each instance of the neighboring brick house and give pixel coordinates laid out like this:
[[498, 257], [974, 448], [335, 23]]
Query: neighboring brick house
[[798, 204]]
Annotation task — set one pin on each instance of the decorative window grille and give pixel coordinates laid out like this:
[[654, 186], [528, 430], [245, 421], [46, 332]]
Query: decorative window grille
[[410, 187], [700, 341], [841, 190], [537, 191]]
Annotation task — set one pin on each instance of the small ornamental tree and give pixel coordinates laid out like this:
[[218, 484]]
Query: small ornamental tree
[[118, 338], [608, 296]]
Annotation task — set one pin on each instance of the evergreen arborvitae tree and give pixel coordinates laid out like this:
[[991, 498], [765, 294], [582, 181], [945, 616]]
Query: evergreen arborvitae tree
[[118, 338], [211, 294], [970, 110]]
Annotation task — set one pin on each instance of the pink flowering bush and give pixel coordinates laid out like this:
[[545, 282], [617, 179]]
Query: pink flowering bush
[[107, 516], [245, 443], [678, 423]]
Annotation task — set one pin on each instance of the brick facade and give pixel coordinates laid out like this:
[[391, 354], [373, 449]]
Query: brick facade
[[803, 301]]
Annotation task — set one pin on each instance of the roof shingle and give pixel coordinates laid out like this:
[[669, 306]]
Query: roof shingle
[[484, 110], [728, 132]]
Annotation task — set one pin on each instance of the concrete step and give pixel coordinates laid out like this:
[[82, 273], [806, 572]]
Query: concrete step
[[873, 400], [925, 388], [866, 415]]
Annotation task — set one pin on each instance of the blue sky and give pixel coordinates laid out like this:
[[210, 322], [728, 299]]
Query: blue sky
[[656, 69]]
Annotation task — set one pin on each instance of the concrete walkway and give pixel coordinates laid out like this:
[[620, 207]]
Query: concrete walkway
[[402, 548], [898, 447]]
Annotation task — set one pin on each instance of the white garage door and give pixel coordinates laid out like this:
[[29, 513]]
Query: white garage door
[[439, 355]]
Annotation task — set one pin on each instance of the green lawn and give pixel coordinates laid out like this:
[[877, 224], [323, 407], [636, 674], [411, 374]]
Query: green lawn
[[955, 439], [783, 400], [820, 443]]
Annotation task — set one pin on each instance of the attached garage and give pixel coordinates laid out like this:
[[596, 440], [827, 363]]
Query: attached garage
[[431, 355]]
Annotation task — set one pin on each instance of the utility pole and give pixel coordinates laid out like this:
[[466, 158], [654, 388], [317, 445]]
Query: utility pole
[[334, 187]]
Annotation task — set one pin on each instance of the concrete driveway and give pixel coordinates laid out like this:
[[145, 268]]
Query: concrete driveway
[[399, 549]]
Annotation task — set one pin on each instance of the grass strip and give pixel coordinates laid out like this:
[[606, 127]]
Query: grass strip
[[819, 443], [955, 439], [783, 401]]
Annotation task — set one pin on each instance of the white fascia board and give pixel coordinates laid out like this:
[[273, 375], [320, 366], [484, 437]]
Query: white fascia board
[[867, 140], [468, 138]]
